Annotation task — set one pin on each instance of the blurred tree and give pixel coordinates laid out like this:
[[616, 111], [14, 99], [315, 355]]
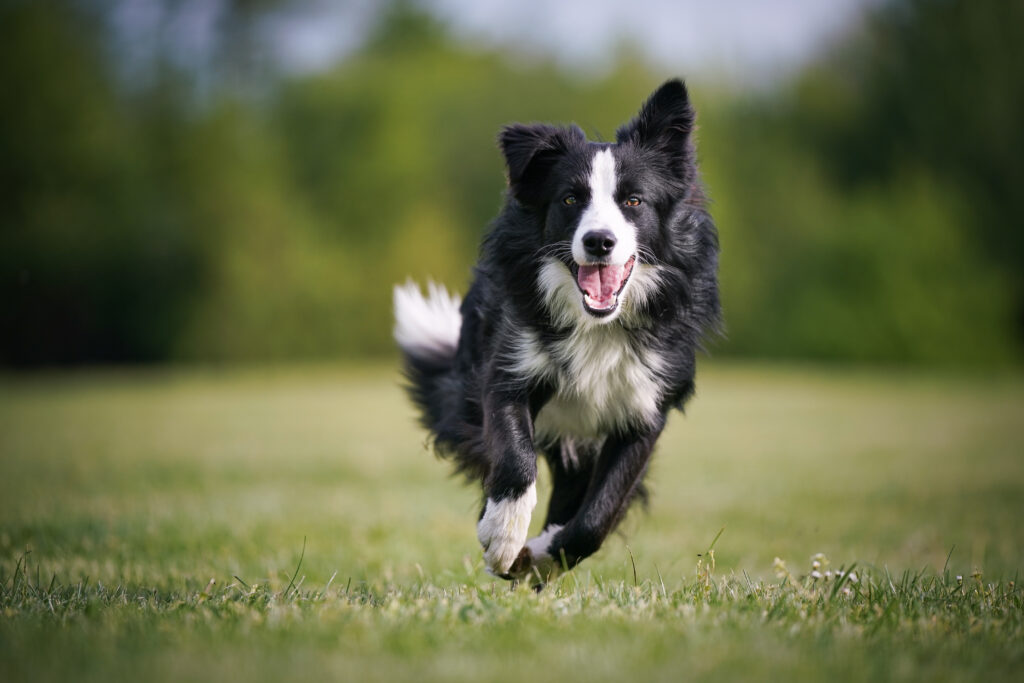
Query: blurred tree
[[864, 214], [96, 260], [390, 170], [935, 84]]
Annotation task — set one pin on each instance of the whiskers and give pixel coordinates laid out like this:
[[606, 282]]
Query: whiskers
[[560, 250], [645, 255]]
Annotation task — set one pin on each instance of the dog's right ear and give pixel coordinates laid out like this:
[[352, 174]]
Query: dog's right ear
[[530, 153]]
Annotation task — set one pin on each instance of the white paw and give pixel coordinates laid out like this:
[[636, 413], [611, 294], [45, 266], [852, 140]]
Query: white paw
[[503, 528], [539, 565]]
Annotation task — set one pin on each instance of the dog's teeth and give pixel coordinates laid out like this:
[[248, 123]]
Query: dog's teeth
[[597, 307]]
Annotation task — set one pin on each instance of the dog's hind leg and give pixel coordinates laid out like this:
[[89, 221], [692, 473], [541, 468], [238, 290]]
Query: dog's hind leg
[[571, 467]]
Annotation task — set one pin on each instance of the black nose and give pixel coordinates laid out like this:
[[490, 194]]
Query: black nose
[[599, 242]]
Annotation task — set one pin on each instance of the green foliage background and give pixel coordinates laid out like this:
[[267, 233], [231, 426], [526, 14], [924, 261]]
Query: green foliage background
[[868, 207]]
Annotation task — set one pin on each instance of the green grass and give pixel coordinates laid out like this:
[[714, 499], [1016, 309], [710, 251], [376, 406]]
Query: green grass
[[152, 523]]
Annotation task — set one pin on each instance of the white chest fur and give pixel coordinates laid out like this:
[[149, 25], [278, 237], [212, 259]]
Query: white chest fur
[[602, 381]]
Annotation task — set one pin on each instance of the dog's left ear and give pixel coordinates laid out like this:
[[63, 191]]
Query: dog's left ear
[[664, 124]]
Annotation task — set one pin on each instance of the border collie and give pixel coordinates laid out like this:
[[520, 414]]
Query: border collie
[[595, 286]]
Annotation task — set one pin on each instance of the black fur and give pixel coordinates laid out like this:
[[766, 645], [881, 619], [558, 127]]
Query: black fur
[[481, 409]]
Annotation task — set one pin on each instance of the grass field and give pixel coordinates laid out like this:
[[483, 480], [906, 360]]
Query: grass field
[[152, 525]]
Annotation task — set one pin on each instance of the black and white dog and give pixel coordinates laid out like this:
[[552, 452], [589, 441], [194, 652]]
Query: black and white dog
[[594, 288]]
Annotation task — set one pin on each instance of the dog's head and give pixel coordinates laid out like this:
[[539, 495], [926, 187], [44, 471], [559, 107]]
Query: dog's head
[[602, 205]]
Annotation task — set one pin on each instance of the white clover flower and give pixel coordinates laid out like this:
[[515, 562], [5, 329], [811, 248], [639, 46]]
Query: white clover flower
[[819, 561], [815, 575]]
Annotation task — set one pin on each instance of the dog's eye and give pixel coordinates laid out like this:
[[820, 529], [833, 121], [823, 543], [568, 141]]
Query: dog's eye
[[633, 201], [569, 199]]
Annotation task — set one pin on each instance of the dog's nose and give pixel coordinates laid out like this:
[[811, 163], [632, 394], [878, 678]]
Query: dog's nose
[[599, 243]]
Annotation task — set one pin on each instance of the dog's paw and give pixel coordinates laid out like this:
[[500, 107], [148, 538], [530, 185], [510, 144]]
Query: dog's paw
[[535, 562], [503, 528]]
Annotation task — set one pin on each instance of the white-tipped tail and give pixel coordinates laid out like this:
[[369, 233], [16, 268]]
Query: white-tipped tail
[[427, 327]]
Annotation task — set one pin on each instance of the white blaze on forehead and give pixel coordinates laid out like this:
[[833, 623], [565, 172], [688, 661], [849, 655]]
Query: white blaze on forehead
[[603, 212], [602, 175]]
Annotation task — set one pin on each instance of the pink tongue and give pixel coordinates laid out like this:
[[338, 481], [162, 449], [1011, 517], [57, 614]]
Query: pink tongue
[[601, 282]]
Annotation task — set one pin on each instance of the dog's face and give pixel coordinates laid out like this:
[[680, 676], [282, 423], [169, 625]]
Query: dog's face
[[601, 204]]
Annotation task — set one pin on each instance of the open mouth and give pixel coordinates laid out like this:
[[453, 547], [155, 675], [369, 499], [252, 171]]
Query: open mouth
[[601, 284]]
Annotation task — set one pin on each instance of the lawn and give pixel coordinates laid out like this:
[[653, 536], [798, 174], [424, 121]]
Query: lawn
[[290, 524]]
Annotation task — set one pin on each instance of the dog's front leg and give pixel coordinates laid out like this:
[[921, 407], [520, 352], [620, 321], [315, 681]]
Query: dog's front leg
[[617, 474], [511, 484]]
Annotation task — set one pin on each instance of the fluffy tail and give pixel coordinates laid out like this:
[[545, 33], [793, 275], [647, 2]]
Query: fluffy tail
[[427, 331]]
